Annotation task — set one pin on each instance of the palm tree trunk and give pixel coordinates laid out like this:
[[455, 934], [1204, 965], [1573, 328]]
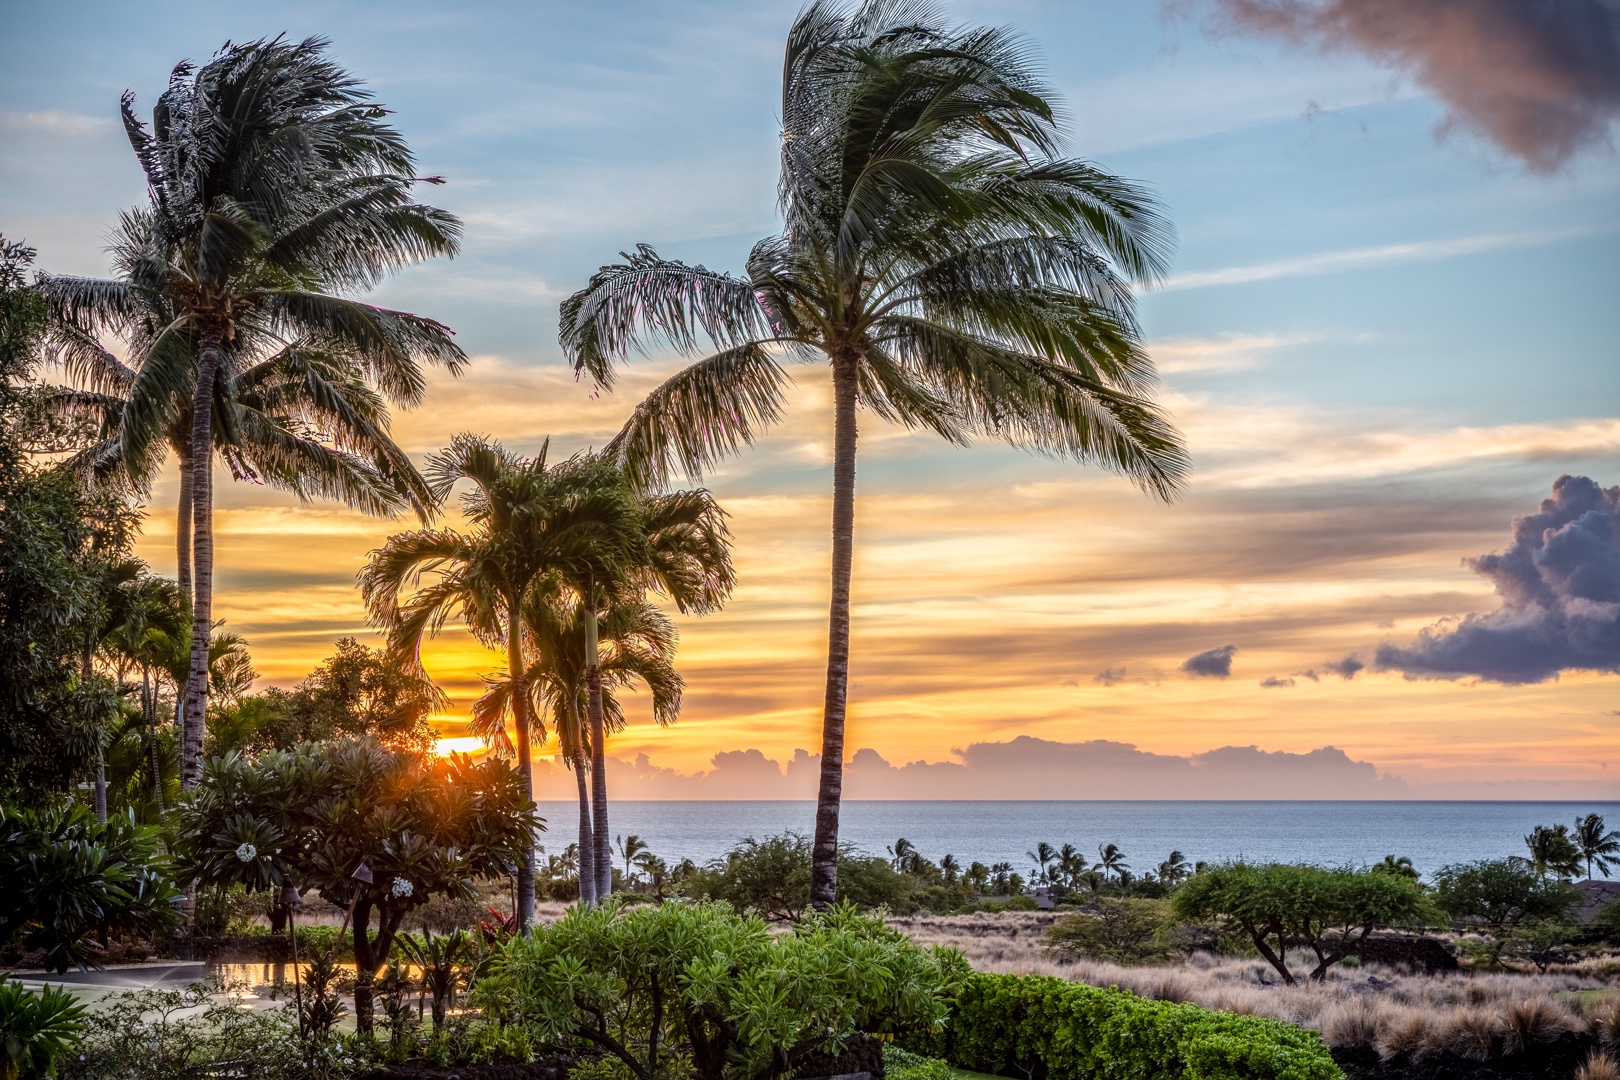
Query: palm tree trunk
[[99, 797], [520, 715], [824, 855], [202, 586], [182, 527], [587, 841], [599, 817], [149, 715]]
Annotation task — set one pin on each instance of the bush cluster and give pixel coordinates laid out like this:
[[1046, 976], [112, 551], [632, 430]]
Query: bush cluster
[[1032, 1025]]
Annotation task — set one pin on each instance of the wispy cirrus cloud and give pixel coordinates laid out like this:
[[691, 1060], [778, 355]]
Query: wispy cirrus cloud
[[1332, 262]]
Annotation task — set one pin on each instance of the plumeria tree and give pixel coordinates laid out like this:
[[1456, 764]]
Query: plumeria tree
[[312, 816]]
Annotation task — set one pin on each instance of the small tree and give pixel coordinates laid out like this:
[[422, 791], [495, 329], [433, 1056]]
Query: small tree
[[700, 980], [69, 878], [1332, 911], [1499, 894], [312, 815], [1127, 931]]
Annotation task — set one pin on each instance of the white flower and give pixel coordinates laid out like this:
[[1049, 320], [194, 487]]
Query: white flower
[[246, 852], [401, 887]]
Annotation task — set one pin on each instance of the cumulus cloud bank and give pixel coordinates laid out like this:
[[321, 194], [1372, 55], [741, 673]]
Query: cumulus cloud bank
[[1560, 587], [1211, 663], [1540, 78], [1023, 768]]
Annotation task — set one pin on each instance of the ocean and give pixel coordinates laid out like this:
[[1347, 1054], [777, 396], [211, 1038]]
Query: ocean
[[1431, 834]]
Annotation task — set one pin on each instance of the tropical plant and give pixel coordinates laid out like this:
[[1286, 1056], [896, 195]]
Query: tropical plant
[[1043, 856], [314, 815], [1111, 861], [1330, 911], [954, 272], [1595, 845], [1499, 894], [771, 877], [529, 522], [71, 879], [1553, 851], [443, 961], [629, 847], [1174, 870], [275, 187], [1070, 866], [1120, 929], [950, 870], [37, 1030], [647, 984], [356, 692], [1397, 867]]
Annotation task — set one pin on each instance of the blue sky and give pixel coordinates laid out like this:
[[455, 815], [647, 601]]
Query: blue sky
[[1372, 331]]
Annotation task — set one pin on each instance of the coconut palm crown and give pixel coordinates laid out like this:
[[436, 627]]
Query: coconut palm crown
[[954, 271], [275, 186]]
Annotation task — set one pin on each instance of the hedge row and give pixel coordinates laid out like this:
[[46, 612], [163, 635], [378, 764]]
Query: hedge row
[[1049, 1029]]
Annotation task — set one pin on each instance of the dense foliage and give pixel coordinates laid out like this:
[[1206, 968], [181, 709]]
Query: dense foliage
[[1126, 930], [701, 983], [771, 878], [37, 1031], [312, 815], [69, 879], [1038, 1026], [1499, 894], [1329, 911]]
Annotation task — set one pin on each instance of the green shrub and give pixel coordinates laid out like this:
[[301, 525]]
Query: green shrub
[[901, 1064], [772, 878], [1126, 931], [160, 1035], [1020, 902], [702, 989], [36, 1030], [1032, 1025]]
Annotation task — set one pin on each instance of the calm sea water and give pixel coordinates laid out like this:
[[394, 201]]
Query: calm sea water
[[1431, 834]]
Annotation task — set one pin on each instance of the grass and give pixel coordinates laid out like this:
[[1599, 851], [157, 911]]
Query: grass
[[1394, 1012]]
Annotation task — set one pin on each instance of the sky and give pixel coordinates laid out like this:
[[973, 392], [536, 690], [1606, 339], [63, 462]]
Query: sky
[[1389, 331]]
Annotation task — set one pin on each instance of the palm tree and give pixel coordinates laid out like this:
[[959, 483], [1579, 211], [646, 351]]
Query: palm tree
[[949, 868], [679, 546], [1397, 867], [1043, 855], [639, 644], [1553, 851], [629, 847], [1111, 860], [274, 186], [1071, 864], [1596, 846], [1175, 869], [903, 856], [528, 521], [951, 269]]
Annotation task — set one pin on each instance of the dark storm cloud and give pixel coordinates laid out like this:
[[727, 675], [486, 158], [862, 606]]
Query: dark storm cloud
[[1211, 663], [1560, 587], [1346, 668], [1540, 78]]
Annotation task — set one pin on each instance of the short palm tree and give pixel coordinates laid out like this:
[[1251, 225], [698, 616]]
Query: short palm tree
[[1043, 856], [275, 187], [527, 521], [629, 848], [1400, 867], [951, 268], [1553, 851], [1174, 870], [1071, 864], [949, 868], [1597, 847]]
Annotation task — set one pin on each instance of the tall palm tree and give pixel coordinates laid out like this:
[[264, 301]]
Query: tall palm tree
[[629, 847], [275, 186], [953, 271], [1043, 856], [680, 548], [1553, 851], [639, 645], [1175, 869], [949, 868], [1598, 847], [1111, 860], [527, 521], [1071, 864]]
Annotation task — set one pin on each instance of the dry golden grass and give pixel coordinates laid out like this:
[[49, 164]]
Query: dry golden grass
[[1476, 1015], [1599, 1066]]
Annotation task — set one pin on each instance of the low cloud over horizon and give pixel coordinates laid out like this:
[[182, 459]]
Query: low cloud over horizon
[[1026, 768]]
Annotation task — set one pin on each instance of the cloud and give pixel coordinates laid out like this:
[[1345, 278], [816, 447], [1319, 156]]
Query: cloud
[[1560, 587], [1021, 768], [1331, 262], [1346, 668], [1541, 79], [1211, 663], [1276, 682], [53, 122], [1310, 673], [1109, 676]]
